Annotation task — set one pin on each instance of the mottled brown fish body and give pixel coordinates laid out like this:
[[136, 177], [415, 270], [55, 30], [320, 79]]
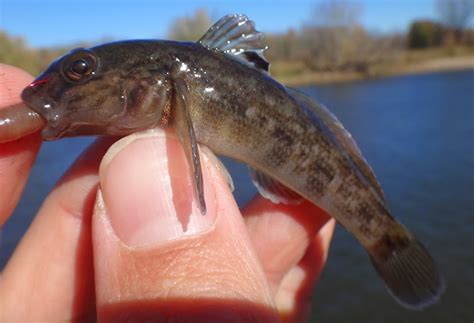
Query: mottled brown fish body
[[217, 92], [252, 118]]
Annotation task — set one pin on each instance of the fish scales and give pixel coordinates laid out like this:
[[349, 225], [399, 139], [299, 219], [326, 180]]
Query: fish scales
[[304, 158]]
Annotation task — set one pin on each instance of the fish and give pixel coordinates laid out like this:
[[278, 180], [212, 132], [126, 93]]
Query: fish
[[218, 92]]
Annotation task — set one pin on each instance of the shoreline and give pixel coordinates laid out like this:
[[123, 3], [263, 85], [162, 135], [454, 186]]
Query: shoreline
[[440, 64]]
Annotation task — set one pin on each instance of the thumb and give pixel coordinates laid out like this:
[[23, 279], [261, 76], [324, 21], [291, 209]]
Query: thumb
[[156, 256]]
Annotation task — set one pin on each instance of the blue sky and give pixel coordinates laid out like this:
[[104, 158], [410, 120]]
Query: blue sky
[[56, 22]]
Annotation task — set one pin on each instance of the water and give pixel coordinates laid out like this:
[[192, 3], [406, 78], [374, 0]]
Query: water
[[418, 134]]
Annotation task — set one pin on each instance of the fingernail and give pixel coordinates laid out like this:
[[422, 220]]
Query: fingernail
[[148, 193]]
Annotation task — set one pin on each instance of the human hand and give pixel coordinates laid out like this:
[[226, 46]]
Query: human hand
[[121, 238]]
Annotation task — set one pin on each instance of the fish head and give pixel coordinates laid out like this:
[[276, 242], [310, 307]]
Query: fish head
[[83, 93]]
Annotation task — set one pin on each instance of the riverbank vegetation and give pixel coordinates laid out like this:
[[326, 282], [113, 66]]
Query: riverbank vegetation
[[332, 45], [335, 46]]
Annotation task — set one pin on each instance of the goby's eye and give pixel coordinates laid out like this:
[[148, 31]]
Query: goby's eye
[[79, 66]]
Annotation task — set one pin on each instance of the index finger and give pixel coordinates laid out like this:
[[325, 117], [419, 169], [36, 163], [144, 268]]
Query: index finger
[[16, 157]]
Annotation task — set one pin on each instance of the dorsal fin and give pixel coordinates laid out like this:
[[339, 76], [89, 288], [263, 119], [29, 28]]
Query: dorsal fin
[[343, 138], [236, 36]]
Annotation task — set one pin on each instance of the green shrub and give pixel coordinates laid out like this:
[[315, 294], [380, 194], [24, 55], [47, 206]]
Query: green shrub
[[424, 33]]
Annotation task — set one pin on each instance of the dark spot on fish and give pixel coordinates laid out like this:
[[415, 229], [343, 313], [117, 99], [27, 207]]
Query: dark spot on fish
[[282, 136], [100, 101], [365, 213], [321, 174], [389, 243], [278, 155], [134, 98], [76, 98], [327, 169], [315, 185], [102, 87]]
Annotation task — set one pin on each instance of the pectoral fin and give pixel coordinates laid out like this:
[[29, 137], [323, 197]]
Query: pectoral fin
[[272, 189], [185, 131], [217, 163]]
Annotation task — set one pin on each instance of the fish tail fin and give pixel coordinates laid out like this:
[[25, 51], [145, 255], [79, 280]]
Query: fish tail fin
[[409, 272]]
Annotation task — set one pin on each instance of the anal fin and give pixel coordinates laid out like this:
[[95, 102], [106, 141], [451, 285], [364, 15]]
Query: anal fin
[[272, 189]]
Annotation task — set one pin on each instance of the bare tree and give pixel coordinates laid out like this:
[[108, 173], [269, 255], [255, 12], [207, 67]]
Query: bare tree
[[455, 14], [336, 13], [190, 28], [333, 39], [282, 46]]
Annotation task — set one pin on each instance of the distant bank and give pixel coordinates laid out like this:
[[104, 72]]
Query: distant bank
[[292, 75]]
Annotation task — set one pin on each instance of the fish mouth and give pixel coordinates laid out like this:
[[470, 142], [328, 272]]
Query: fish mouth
[[34, 98]]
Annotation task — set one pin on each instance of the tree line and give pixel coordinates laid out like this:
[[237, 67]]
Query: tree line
[[332, 39]]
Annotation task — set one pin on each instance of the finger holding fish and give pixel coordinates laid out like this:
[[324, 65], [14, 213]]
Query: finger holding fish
[[292, 243], [18, 121], [50, 272], [17, 156]]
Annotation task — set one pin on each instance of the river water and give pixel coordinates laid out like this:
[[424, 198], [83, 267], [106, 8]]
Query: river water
[[417, 132]]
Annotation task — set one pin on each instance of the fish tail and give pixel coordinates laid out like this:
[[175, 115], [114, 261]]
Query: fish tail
[[409, 272]]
